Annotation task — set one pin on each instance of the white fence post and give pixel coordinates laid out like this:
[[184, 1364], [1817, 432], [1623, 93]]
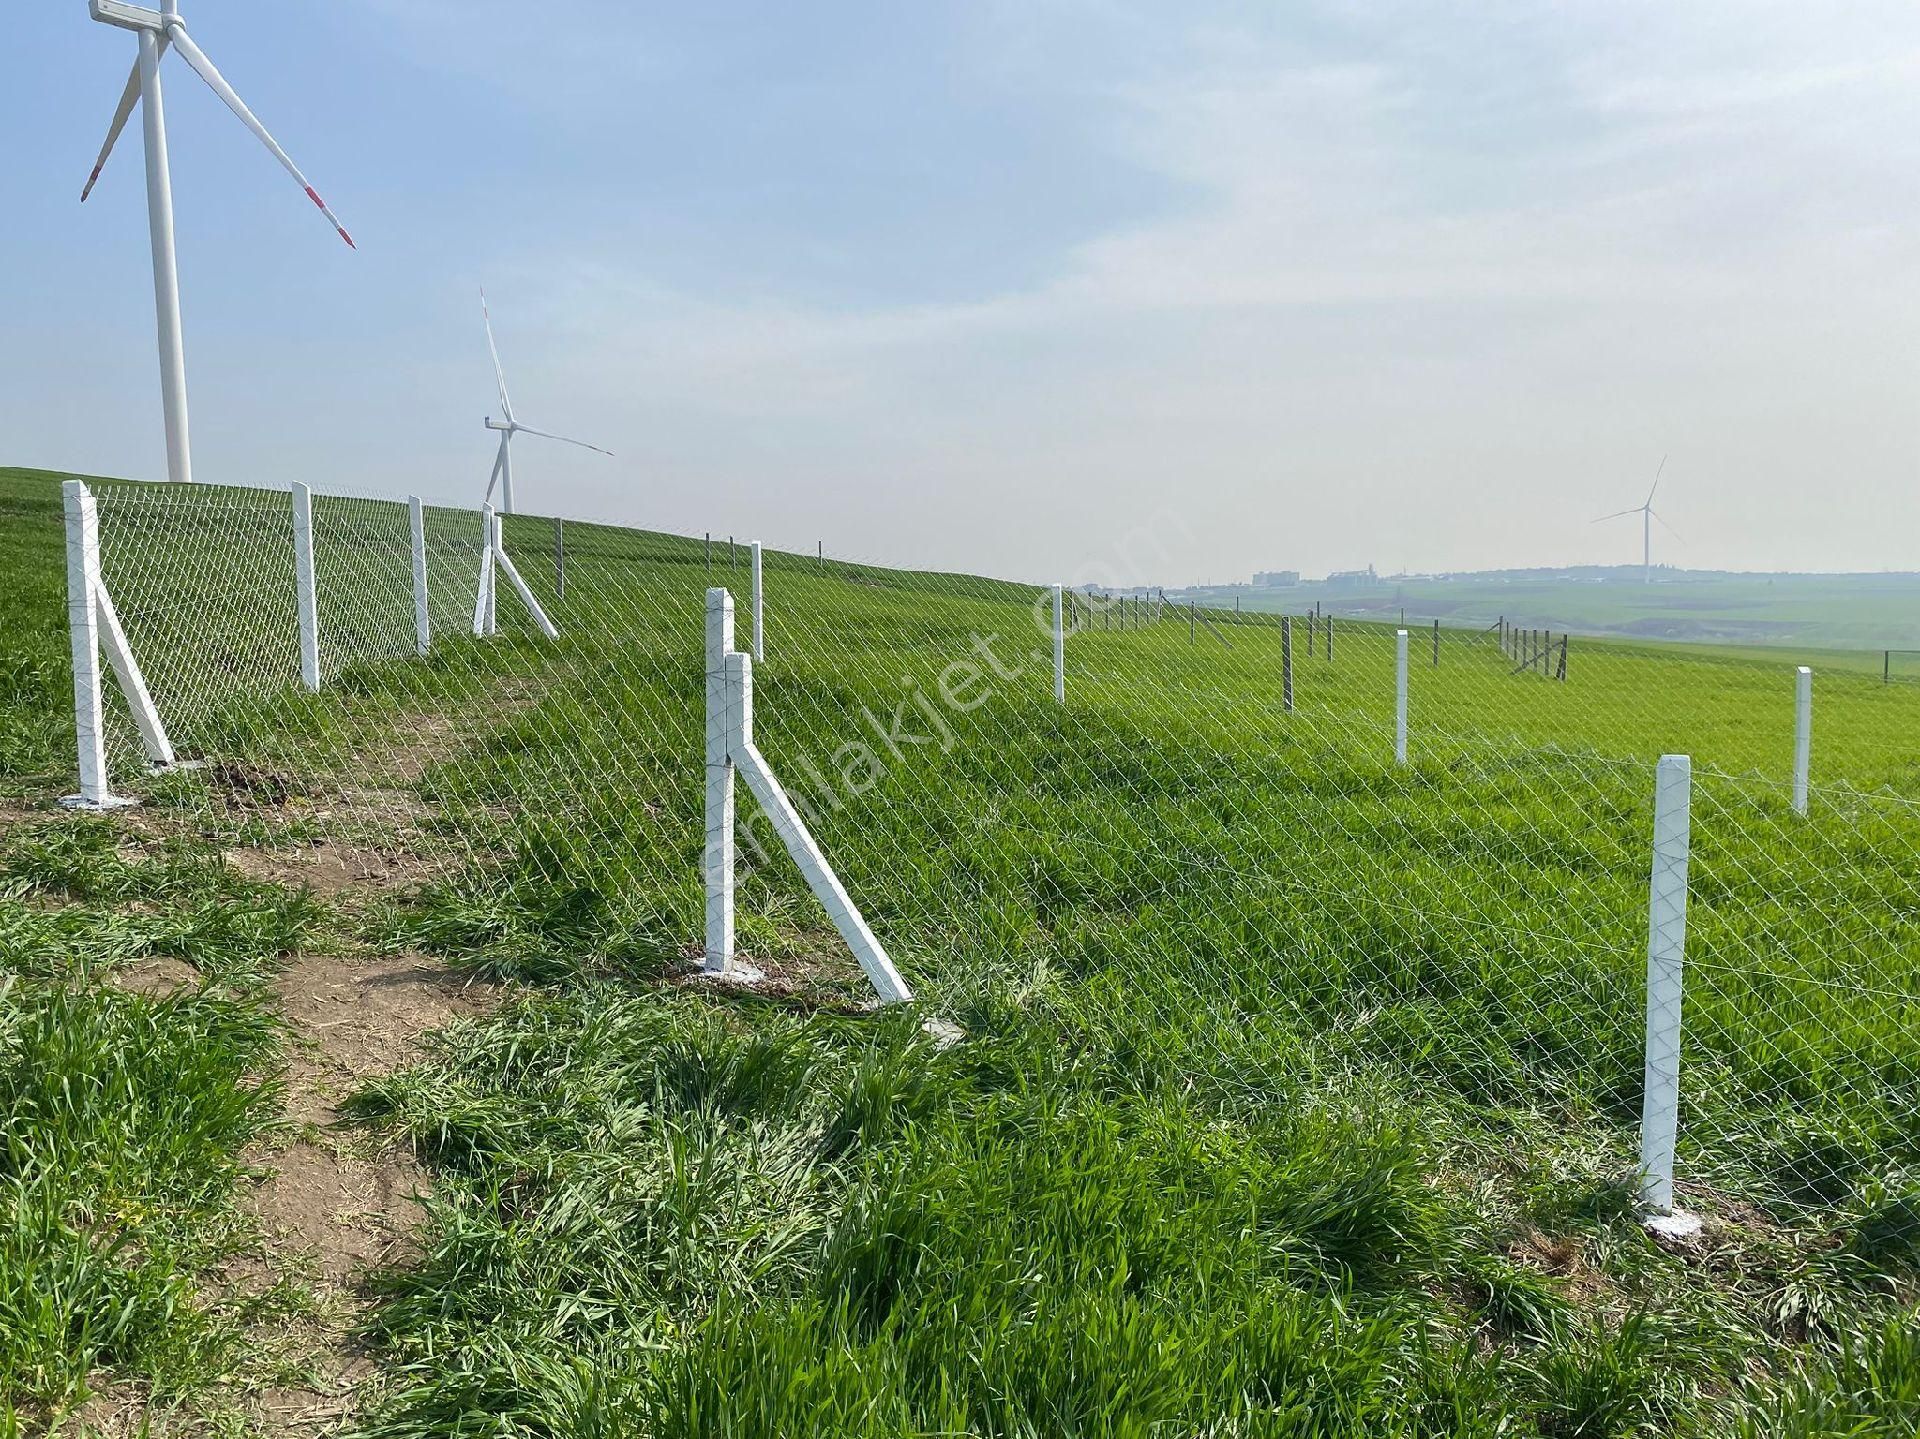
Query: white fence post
[[422, 620], [305, 598], [730, 745], [1400, 697], [717, 860], [1802, 735], [1059, 650], [93, 623], [83, 628], [759, 612], [496, 547], [1286, 663], [1666, 949], [483, 592]]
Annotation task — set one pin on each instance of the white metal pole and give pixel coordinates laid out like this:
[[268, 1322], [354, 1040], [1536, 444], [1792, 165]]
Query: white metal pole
[[506, 473], [89, 720], [484, 585], [1666, 949], [305, 595], [759, 612], [422, 619], [166, 275], [1059, 650], [1400, 697], [717, 860], [1802, 735], [1286, 663], [495, 547]]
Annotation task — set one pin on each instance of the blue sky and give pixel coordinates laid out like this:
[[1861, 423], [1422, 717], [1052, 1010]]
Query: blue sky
[[1087, 290]]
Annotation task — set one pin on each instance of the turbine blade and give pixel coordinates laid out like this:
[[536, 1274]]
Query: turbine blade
[[499, 374], [1656, 478], [499, 464], [1667, 527], [204, 68], [527, 430], [129, 97], [1616, 515]]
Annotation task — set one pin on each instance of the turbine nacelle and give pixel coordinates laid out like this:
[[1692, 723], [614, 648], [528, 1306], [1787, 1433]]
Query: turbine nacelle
[[127, 17]]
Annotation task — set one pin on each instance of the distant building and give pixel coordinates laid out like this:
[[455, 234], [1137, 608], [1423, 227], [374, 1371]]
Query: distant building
[[1275, 579], [1353, 577]]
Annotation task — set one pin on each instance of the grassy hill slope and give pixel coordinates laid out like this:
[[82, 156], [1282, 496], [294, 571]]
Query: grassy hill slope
[[1298, 1089]]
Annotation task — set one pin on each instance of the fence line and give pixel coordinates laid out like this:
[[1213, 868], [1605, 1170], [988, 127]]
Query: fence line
[[1461, 905]]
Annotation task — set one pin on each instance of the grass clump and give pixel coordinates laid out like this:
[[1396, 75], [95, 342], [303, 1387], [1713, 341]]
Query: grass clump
[[124, 1117]]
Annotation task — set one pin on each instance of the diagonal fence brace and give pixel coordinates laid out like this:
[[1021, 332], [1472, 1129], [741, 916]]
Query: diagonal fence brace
[[494, 562], [730, 746]]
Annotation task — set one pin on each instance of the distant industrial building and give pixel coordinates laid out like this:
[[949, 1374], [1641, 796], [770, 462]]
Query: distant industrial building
[[1353, 577], [1275, 579]]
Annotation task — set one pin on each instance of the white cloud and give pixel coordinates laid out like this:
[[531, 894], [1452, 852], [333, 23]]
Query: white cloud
[[1364, 334]]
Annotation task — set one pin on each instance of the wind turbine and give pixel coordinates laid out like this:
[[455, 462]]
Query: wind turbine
[[156, 31], [1647, 517], [509, 427]]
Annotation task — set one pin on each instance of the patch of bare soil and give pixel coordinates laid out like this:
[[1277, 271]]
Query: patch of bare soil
[[331, 870], [157, 976], [12, 814], [409, 748], [331, 1205]]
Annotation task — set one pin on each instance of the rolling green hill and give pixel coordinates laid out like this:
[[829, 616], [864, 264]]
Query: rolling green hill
[[1819, 618]]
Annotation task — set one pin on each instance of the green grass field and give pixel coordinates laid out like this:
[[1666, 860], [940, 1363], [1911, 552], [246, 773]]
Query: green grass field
[[1836, 620], [1298, 1089]]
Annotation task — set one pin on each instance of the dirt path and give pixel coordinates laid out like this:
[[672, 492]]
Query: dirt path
[[333, 1205]]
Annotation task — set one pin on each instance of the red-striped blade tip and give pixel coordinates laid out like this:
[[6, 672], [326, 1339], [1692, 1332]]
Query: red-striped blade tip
[[321, 205], [92, 180]]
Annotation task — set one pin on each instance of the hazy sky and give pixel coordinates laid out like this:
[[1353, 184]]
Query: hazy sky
[[1023, 287]]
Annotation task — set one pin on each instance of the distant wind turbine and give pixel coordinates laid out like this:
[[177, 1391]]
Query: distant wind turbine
[[1647, 517], [157, 30], [509, 427]]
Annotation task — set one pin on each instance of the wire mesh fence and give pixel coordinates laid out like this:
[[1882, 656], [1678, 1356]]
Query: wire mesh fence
[[1219, 837]]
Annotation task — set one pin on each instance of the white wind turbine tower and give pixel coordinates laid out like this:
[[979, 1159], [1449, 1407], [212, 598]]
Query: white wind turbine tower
[[1647, 516], [509, 427], [156, 31]]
